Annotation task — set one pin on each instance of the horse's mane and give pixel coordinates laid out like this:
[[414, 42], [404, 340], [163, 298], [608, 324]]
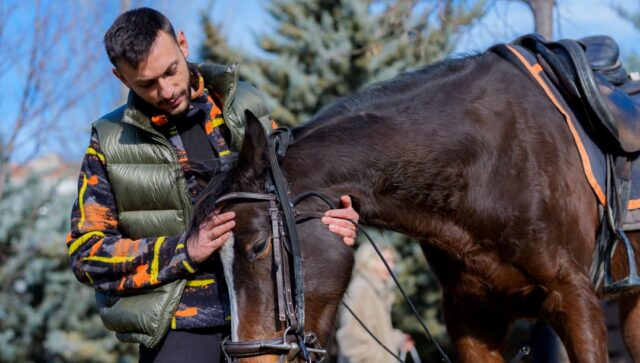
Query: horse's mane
[[381, 98], [384, 95]]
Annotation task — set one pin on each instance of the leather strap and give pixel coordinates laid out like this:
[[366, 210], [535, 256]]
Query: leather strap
[[279, 346], [274, 212], [278, 141], [245, 195]]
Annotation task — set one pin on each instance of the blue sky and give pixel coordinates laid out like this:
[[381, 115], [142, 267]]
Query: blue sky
[[573, 19], [241, 20], [507, 20]]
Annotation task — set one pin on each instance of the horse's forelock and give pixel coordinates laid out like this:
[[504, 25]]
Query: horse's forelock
[[205, 204]]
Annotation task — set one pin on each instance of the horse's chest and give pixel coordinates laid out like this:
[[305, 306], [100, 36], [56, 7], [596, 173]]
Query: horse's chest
[[484, 281]]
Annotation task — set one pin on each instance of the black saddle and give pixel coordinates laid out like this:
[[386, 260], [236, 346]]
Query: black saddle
[[592, 80], [589, 73]]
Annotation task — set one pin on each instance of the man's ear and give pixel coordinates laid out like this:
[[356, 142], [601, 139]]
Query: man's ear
[[119, 75], [183, 44], [253, 155]]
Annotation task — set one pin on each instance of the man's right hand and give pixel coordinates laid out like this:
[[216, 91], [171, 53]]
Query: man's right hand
[[211, 235], [408, 343]]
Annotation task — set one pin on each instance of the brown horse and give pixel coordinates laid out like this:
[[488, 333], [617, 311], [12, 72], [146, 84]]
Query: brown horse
[[472, 159]]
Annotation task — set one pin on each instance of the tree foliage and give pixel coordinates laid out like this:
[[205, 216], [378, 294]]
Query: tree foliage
[[48, 80], [321, 50], [45, 315], [53, 75], [632, 59]]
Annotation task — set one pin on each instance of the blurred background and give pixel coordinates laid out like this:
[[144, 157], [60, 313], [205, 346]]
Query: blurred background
[[303, 54]]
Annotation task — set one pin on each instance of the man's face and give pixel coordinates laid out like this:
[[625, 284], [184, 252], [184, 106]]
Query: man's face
[[162, 79], [382, 269]]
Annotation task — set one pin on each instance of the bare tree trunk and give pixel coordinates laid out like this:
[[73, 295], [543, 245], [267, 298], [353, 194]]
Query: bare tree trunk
[[58, 72], [543, 16]]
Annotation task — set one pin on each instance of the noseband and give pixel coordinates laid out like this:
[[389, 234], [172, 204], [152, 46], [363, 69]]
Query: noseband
[[294, 342]]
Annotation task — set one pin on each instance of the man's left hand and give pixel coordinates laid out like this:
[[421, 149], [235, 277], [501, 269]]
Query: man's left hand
[[339, 223]]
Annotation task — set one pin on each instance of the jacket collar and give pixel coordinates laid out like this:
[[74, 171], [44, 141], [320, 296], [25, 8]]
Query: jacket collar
[[217, 78]]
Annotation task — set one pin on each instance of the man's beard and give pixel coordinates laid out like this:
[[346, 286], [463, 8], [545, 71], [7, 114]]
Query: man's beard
[[182, 108]]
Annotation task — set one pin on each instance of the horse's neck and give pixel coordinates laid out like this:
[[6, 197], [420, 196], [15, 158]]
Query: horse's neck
[[402, 159], [376, 163]]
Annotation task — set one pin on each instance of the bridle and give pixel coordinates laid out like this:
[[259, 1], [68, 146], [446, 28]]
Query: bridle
[[294, 342], [287, 259]]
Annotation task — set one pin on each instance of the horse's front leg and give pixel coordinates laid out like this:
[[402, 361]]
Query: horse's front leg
[[477, 335], [630, 322], [573, 310]]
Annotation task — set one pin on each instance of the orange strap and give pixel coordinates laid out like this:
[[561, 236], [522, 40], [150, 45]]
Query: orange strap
[[535, 70]]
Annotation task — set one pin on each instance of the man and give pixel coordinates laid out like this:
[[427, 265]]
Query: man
[[145, 165]]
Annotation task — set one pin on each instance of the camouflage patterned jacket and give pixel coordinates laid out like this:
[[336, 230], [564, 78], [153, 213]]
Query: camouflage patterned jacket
[[134, 203]]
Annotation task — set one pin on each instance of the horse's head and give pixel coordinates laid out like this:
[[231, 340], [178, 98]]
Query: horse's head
[[250, 266]]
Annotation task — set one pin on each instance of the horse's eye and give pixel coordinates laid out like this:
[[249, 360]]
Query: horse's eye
[[259, 247]]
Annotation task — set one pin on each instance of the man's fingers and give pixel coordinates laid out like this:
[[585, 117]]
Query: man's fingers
[[342, 231], [349, 241], [340, 222], [347, 212], [220, 230], [218, 242], [343, 213], [224, 217], [217, 220], [346, 201]]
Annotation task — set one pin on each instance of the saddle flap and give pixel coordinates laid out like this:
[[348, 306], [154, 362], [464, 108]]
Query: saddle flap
[[572, 66]]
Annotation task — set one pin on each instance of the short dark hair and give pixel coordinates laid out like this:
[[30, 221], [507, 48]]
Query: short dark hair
[[132, 34]]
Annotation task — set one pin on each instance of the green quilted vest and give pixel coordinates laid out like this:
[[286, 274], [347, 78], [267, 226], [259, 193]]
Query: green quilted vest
[[152, 197]]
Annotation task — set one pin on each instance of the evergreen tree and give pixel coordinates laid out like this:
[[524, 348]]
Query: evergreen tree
[[325, 49], [214, 48], [45, 315], [631, 60]]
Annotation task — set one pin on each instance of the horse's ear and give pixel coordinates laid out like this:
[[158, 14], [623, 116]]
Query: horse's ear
[[252, 161]]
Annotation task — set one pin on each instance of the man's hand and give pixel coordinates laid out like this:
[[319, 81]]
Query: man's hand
[[211, 235], [408, 343], [338, 221]]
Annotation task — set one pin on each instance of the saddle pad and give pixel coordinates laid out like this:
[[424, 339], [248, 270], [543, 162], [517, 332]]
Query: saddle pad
[[592, 157]]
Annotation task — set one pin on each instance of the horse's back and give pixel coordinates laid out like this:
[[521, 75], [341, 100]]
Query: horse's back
[[472, 158], [475, 138]]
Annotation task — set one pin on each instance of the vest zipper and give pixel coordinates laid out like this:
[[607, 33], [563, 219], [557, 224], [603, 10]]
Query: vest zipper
[[181, 181]]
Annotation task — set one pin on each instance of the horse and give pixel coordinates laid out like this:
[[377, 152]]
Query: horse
[[467, 156]]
